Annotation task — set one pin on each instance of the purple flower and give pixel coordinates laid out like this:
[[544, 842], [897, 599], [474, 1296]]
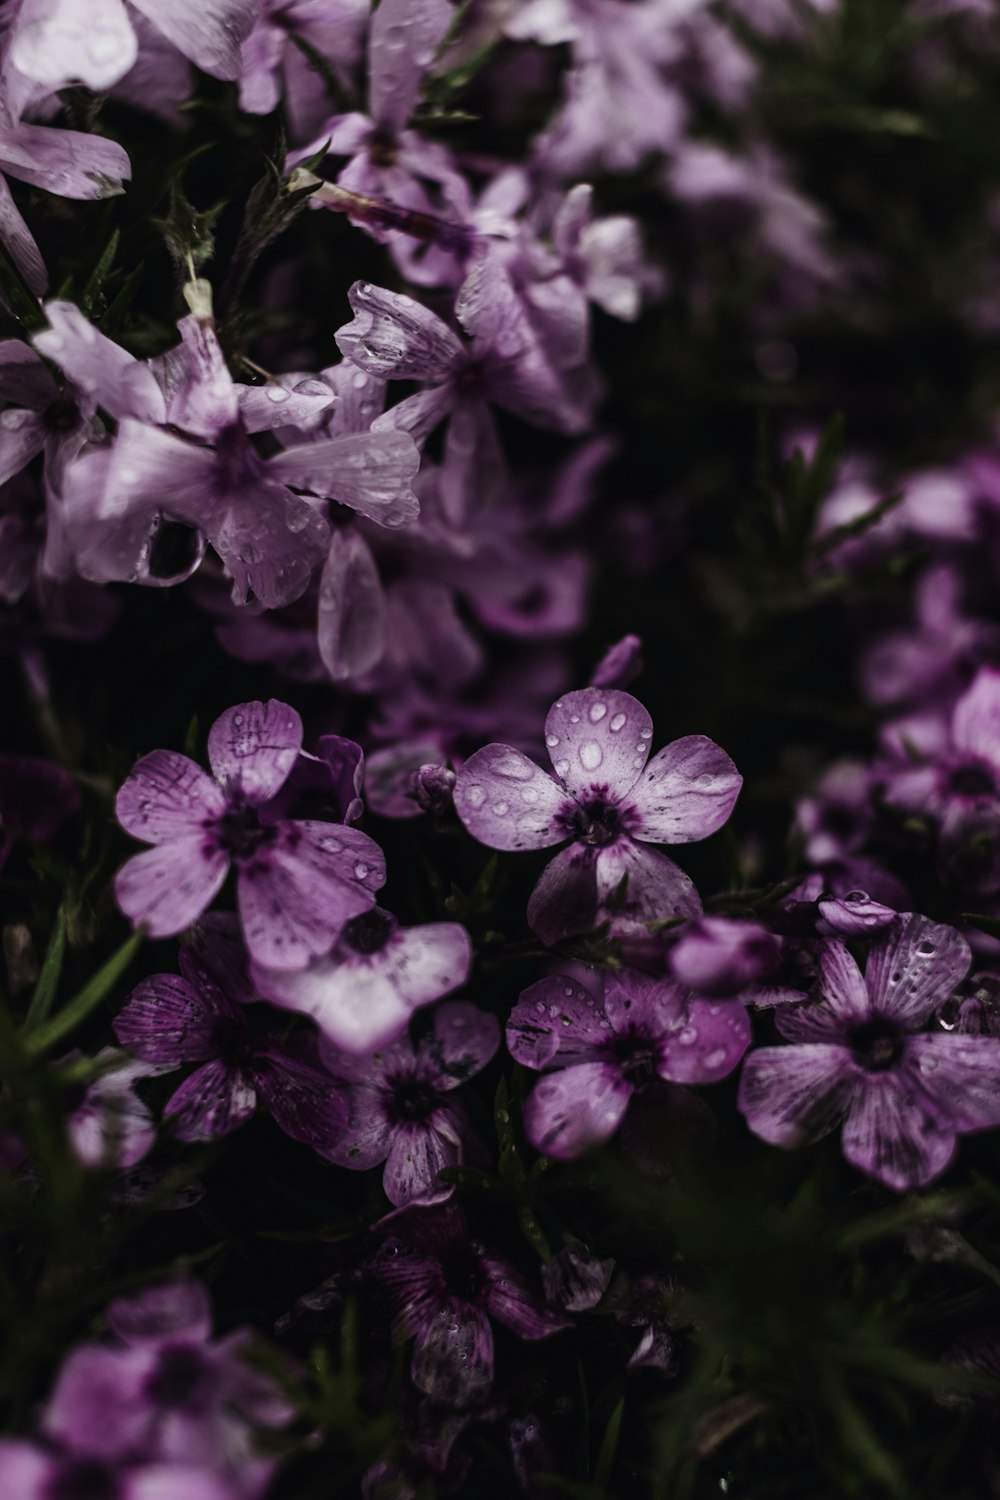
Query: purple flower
[[602, 1053], [443, 1288], [172, 1019], [574, 1279], [167, 1393], [33, 1473], [609, 802], [856, 1057], [110, 1127], [401, 1109], [719, 956], [298, 881], [362, 993]]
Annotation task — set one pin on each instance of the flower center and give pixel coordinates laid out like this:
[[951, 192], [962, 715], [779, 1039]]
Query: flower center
[[413, 1100], [636, 1057], [370, 932], [381, 149], [61, 415], [876, 1045], [973, 779], [240, 832], [83, 1479], [596, 822], [463, 1274], [180, 1379]]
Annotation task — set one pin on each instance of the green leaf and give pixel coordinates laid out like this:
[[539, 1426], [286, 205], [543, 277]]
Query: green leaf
[[76, 1011], [609, 1446], [48, 979], [95, 282]]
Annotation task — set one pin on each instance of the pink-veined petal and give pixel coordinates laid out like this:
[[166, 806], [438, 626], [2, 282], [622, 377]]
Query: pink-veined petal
[[167, 796], [417, 1154], [252, 747], [961, 1075], [506, 801], [792, 1096], [687, 792], [914, 966], [569, 1112], [706, 1043], [556, 1020], [169, 887], [166, 1020], [598, 739], [214, 1101], [894, 1134]]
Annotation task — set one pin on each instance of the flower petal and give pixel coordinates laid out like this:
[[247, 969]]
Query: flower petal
[[214, 1101], [792, 1096], [894, 1135], [167, 796], [371, 472], [351, 621], [914, 966], [453, 1355], [366, 1136], [395, 337], [511, 1300], [707, 1046], [167, 1020], [569, 1112], [115, 379], [556, 1020], [598, 739], [687, 792], [961, 1075], [975, 726], [463, 1040], [639, 1003], [401, 46], [65, 162], [843, 1002], [253, 747], [305, 1101], [207, 32], [417, 1154], [507, 802], [169, 887]]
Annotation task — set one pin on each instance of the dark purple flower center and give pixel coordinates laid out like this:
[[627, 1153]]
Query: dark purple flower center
[[370, 932], [83, 1479], [973, 779], [463, 1274], [876, 1045], [636, 1056], [241, 833], [180, 1380], [412, 1100], [237, 461], [597, 822], [61, 415], [382, 148]]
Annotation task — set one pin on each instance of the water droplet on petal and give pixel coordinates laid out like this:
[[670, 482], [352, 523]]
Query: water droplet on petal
[[717, 1058], [597, 712], [360, 869], [501, 809], [688, 1036], [552, 740], [925, 949], [618, 722], [591, 755], [474, 795], [562, 766]]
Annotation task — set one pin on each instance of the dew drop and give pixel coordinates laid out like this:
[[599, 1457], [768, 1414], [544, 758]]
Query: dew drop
[[688, 1036], [562, 766], [474, 795], [552, 740], [717, 1058], [529, 794], [856, 898], [645, 734], [360, 870], [276, 393], [501, 809], [597, 712], [618, 722], [574, 718], [513, 768], [925, 949], [591, 755]]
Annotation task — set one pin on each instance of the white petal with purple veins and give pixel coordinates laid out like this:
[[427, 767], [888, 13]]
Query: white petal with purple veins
[[687, 792]]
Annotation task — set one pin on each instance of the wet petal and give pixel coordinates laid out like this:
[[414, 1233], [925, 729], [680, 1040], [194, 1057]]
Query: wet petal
[[180, 1305], [167, 1020], [565, 901], [112, 377], [169, 887], [599, 741], [570, 1112], [706, 1044], [893, 1134], [394, 337], [507, 802], [914, 967], [556, 1020], [371, 472], [305, 1101], [253, 747], [512, 1302], [208, 32], [366, 1136], [65, 162], [961, 1075], [417, 1154], [687, 792], [463, 1040], [20, 242], [792, 1096], [167, 796], [214, 1101], [22, 438], [351, 623], [453, 1355], [402, 44], [637, 885], [639, 1003], [56, 45]]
